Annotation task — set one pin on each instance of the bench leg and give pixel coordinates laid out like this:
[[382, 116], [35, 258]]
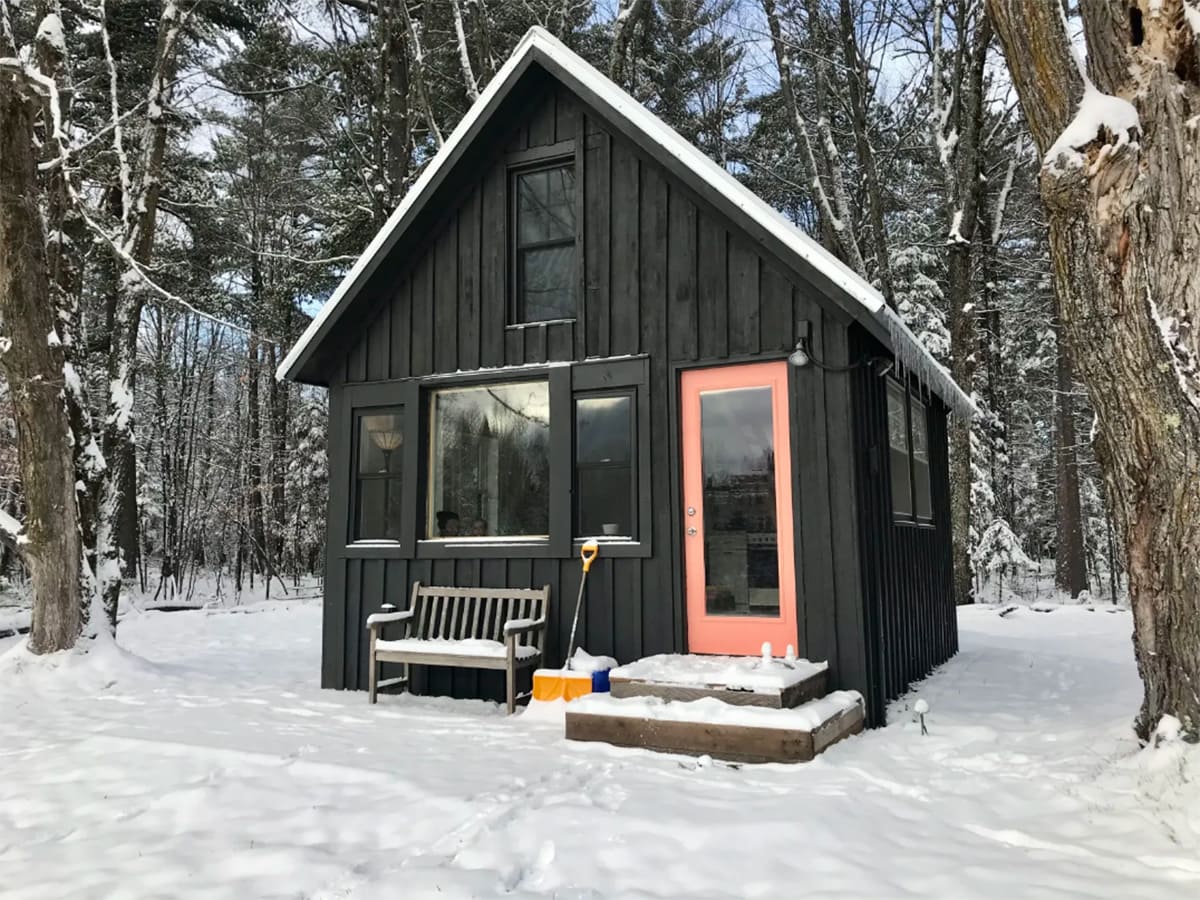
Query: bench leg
[[511, 672], [373, 684]]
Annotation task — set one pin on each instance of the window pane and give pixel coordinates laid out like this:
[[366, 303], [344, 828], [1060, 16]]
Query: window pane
[[379, 509], [380, 438], [604, 466], [898, 442], [605, 498], [490, 461], [922, 502], [546, 275], [379, 470], [546, 205], [604, 429], [741, 537]]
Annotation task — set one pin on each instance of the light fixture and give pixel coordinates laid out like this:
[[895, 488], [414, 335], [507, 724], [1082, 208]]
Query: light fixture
[[388, 439], [881, 365], [799, 357]]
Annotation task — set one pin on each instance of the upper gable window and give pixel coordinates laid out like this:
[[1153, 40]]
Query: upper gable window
[[544, 243]]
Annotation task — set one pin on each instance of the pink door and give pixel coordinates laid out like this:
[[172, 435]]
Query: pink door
[[739, 565]]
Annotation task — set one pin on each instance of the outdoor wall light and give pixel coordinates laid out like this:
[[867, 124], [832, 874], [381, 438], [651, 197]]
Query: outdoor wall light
[[799, 357]]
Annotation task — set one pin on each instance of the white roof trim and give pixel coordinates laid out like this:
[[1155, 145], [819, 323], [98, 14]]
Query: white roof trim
[[911, 353]]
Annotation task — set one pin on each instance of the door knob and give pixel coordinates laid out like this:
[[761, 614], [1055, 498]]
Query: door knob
[[691, 510], [692, 530]]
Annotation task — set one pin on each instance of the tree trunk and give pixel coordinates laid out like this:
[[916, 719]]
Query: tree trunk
[[33, 362], [1070, 574], [1124, 214]]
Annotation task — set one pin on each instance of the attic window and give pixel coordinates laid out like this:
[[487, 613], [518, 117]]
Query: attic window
[[544, 243]]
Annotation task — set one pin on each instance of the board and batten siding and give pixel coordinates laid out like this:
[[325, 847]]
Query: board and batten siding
[[662, 275], [909, 608]]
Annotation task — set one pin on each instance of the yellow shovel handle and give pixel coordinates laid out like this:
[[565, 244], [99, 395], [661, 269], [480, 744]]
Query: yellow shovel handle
[[588, 554]]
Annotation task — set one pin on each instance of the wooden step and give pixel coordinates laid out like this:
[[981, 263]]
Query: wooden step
[[733, 680], [695, 728]]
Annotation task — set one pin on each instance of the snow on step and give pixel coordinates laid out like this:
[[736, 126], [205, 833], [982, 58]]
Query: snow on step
[[735, 673], [710, 711]]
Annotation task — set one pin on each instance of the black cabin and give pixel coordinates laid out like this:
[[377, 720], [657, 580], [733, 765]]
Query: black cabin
[[576, 325]]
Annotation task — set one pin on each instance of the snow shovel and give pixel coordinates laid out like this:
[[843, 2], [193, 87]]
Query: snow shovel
[[563, 684]]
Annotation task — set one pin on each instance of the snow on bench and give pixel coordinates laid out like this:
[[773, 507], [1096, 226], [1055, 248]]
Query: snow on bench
[[467, 627], [468, 647]]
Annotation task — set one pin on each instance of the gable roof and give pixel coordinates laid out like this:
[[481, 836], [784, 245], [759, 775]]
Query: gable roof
[[852, 292]]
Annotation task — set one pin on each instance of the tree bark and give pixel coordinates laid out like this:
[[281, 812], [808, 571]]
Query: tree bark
[[33, 362], [1124, 237], [957, 130], [1070, 571]]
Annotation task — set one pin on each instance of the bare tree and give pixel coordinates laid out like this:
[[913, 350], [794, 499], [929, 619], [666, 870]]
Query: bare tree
[[1121, 188]]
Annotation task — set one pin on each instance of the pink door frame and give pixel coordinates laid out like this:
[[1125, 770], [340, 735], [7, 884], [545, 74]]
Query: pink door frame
[[736, 634]]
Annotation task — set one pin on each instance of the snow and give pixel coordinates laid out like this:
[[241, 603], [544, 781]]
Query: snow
[[709, 710], [13, 527], [211, 765], [1097, 111], [537, 42], [737, 673], [586, 664], [468, 647], [1192, 14], [50, 32]]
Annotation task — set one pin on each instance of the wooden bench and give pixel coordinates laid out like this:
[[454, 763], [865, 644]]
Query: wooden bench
[[465, 627]]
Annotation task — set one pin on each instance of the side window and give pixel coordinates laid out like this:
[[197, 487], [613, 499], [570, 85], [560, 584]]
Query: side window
[[378, 474], [606, 465], [544, 243], [897, 403], [922, 502]]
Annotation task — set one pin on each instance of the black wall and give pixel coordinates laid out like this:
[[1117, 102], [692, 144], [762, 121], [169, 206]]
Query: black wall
[[906, 568], [662, 275]]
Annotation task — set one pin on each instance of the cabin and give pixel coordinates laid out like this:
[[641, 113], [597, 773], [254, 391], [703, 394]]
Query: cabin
[[577, 326]]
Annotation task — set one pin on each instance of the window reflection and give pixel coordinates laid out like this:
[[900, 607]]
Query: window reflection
[[604, 477]]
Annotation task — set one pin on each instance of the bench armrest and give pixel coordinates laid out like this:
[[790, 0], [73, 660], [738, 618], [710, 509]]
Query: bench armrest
[[383, 618], [523, 626]]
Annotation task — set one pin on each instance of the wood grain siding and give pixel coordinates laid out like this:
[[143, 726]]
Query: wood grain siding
[[661, 274], [908, 610]]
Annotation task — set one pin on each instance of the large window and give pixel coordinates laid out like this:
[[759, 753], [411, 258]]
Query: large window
[[908, 443], [544, 243], [489, 461], [378, 474], [605, 467]]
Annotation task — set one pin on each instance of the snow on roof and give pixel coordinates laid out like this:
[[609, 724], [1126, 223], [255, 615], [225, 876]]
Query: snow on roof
[[910, 352]]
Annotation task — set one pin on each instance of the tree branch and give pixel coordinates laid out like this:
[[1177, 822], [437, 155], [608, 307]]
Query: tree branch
[[1043, 66]]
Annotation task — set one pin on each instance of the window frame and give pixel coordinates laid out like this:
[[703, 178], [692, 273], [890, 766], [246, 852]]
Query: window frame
[[359, 477], [602, 377], [554, 545], [911, 518], [913, 402], [515, 170], [354, 401]]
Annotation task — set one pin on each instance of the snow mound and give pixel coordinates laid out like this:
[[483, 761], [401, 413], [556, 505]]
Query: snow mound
[[92, 667]]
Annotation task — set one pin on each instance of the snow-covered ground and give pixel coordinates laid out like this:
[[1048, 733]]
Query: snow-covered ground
[[210, 765]]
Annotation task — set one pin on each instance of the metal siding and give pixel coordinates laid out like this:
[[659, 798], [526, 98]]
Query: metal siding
[[909, 613], [663, 274]]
